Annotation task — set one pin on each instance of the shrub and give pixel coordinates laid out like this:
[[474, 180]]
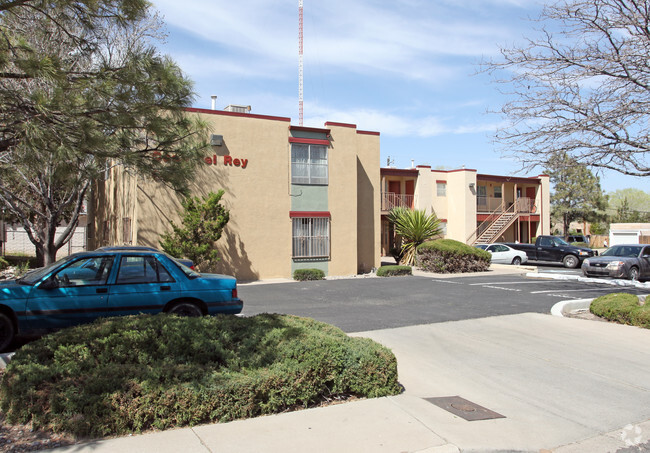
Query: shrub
[[619, 307], [308, 274], [129, 374], [448, 256], [390, 271], [581, 244], [3, 264]]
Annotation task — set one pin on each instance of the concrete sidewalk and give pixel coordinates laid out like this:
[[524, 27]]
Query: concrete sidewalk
[[563, 384]]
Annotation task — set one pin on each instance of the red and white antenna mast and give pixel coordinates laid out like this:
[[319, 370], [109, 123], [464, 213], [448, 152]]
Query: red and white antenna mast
[[300, 116]]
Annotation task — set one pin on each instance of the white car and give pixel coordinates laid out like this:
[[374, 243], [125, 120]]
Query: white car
[[503, 254]]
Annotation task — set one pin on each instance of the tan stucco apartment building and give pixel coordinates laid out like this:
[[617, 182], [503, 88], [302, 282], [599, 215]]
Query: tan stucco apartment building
[[303, 197], [473, 207], [299, 197]]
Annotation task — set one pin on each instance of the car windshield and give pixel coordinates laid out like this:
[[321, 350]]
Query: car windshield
[[631, 251], [190, 273], [34, 276]]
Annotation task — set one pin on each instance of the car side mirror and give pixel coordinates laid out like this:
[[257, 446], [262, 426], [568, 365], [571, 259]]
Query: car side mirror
[[50, 283]]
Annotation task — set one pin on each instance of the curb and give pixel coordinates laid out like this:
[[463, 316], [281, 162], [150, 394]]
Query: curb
[[5, 359], [560, 308]]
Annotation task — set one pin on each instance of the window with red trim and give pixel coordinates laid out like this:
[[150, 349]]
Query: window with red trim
[[309, 164]]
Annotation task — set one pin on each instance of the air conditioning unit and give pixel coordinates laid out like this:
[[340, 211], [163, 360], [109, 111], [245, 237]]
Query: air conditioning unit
[[216, 140]]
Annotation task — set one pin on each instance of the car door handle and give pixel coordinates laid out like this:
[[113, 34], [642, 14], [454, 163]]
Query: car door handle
[[165, 288], [102, 290]]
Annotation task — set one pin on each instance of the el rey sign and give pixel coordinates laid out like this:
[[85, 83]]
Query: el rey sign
[[228, 161]]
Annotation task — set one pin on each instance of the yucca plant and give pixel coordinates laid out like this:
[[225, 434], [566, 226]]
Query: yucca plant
[[414, 227]]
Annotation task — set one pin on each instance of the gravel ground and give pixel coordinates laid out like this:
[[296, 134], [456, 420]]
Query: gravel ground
[[21, 438]]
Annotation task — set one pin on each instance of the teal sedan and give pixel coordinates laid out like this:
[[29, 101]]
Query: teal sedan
[[85, 286]]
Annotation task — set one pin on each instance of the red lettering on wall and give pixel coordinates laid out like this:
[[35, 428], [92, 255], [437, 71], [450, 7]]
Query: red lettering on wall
[[227, 160]]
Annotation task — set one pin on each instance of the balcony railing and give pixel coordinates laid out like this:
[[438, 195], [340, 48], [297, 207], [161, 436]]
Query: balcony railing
[[492, 204], [390, 200]]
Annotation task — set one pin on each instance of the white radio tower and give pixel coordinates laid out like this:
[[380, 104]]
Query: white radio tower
[[300, 116]]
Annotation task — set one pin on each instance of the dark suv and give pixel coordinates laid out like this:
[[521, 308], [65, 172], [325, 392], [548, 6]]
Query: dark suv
[[577, 238]]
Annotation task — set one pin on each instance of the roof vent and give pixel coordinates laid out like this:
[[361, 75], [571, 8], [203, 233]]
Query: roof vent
[[238, 108]]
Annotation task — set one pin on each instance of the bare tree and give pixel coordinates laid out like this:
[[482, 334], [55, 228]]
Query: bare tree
[[581, 87]]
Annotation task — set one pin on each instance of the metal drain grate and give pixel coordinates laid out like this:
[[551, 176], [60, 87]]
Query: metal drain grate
[[464, 408]]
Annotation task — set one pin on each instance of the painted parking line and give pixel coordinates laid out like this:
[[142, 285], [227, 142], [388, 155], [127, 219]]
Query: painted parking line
[[572, 290], [502, 288], [510, 283]]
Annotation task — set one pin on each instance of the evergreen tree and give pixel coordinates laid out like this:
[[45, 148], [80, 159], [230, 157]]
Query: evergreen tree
[[83, 90], [576, 192], [203, 222]]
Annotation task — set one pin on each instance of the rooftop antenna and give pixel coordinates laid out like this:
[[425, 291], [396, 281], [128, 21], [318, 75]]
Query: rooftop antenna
[[300, 115]]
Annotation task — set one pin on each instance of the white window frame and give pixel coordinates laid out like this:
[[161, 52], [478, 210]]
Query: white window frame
[[441, 188], [310, 237], [312, 171]]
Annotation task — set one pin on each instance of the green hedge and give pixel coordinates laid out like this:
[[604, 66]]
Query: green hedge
[[622, 307], [448, 256], [390, 271], [129, 374], [308, 274], [3, 264]]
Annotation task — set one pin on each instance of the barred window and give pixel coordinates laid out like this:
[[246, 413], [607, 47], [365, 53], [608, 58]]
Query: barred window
[[308, 164], [311, 237]]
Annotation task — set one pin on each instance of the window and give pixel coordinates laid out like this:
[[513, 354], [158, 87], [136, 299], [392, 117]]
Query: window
[[311, 237], [308, 164], [142, 269], [441, 188], [497, 192], [85, 272], [443, 227]]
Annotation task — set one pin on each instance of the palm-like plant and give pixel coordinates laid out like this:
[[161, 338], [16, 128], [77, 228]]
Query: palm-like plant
[[414, 227]]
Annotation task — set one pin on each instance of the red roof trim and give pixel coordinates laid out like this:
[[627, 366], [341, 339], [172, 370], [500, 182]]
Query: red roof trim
[[330, 123], [368, 133], [459, 169], [309, 129], [443, 220], [423, 166], [308, 141], [294, 214], [441, 180], [245, 115], [398, 172], [516, 179]]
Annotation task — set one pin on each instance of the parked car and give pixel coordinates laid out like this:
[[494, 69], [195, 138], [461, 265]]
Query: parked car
[[620, 261], [84, 286], [554, 249], [501, 253], [109, 248], [577, 238]]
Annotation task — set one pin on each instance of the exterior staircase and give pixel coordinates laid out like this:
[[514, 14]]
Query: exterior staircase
[[495, 225]]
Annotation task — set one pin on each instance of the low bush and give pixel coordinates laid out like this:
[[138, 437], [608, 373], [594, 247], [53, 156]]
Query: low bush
[[129, 374], [308, 274], [23, 261], [448, 256], [581, 244], [390, 271], [3, 264], [622, 307]]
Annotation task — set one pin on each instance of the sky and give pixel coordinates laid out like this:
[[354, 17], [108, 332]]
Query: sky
[[408, 69]]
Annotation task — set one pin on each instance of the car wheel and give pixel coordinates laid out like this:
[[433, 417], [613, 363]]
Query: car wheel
[[633, 274], [570, 261], [7, 331], [516, 260], [186, 309]]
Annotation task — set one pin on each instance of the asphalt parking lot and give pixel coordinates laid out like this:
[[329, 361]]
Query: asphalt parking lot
[[363, 304]]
